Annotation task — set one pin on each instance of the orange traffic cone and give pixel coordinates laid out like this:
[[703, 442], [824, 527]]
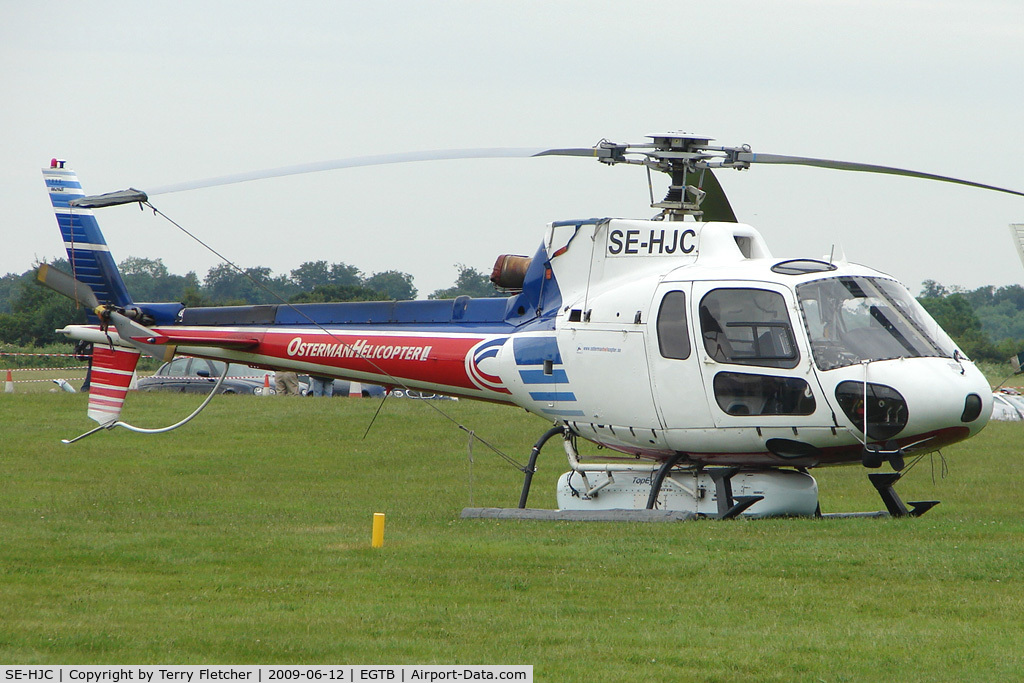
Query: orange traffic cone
[[266, 385], [9, 386]]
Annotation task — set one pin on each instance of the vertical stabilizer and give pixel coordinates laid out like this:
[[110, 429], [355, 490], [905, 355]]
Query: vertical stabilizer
[[112, 371], [88, 254]]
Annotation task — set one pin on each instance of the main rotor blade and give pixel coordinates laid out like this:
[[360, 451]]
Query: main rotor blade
[[375, 160], [62, 283], [98, 201], [133, 195], [753, 158]]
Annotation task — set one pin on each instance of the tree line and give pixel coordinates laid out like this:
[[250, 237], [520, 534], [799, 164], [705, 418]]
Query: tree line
[[987, 322], [29, 313]]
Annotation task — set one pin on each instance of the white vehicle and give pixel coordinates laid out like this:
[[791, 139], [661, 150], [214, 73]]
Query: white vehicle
[[1007, 407]]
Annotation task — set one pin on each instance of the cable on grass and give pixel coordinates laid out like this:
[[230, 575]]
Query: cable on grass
[[358, 354]]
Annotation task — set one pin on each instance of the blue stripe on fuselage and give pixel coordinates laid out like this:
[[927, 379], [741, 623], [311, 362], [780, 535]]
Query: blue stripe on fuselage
[[552, 396], [536, 350], [538, 377]]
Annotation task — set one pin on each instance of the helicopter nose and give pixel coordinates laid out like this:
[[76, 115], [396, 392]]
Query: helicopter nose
[[904, 401]]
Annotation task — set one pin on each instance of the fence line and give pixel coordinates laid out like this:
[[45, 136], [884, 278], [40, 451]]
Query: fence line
[[74, 372], [57, 355]]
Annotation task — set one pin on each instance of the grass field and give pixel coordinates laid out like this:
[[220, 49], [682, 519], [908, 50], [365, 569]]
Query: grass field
[[244, 537]]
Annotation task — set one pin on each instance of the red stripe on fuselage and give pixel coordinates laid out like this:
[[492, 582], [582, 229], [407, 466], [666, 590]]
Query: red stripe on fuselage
[[436, 360], [422, 358]]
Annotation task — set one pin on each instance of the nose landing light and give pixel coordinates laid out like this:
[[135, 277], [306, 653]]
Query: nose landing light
[[886, 408]]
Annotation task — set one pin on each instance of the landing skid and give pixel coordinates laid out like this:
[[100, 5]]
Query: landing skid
[[713, 492], [718, 492], [884, 483], [729, 506], [635, 491], [894, 505]]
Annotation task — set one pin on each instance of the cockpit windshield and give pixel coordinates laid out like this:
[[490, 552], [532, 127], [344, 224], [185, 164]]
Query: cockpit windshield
[[854, 319]]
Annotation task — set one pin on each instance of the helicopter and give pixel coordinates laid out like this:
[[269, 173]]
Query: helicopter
[[711, 374]]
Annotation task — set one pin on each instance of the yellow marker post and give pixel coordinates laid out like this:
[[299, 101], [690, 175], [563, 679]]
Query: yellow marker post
[[378, 530]]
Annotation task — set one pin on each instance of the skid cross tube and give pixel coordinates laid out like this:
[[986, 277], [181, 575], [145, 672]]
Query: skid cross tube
[[659, 479], [531, 466], [728, 505], [884, 482]]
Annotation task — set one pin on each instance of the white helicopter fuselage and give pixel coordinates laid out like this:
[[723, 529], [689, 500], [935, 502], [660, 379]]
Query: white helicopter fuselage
[[679, 341], [634, 365], [656, 339]]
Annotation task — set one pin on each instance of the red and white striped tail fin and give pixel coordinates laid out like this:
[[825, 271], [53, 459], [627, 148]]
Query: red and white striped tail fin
[[112, 371]]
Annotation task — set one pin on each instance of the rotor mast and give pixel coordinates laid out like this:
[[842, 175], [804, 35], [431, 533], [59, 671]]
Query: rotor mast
[[687, 159], [678, 155]]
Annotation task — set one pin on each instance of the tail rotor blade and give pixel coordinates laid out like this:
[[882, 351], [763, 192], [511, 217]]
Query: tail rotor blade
[[62, 283], [135, 334]]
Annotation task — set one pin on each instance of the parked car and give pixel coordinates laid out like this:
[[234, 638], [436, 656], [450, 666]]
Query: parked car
[[198, 375], [1005, 407], [1015, 399]]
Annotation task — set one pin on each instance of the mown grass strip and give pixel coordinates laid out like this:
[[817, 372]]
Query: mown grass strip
[[245, 538]]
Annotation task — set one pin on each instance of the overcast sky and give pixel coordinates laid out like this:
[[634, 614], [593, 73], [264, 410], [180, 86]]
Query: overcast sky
[[148, 94]]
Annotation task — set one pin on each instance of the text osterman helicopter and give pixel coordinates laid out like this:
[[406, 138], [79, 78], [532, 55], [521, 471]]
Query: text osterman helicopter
[[734, 371]]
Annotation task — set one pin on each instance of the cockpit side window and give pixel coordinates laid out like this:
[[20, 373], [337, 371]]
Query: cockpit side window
[[673, 332], [748, 327]]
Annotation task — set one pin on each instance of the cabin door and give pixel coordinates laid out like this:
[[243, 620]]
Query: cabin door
[[675, 365], [756, 367]]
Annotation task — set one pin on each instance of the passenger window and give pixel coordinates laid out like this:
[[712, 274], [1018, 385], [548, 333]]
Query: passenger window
[[742, 394], [673, 332], [747, 327]]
